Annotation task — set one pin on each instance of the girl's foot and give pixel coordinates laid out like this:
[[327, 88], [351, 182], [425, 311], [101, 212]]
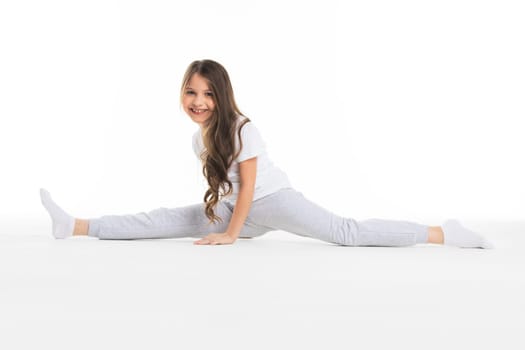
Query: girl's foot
[[458, 236], [63, 223]]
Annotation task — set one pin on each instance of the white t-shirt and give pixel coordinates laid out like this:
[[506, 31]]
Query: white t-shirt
[[269, 177]]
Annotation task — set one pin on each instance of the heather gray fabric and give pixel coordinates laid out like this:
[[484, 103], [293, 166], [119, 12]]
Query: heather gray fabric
[[286, 209]]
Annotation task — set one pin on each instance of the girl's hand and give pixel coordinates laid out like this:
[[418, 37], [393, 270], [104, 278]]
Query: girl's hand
[[216, 238]]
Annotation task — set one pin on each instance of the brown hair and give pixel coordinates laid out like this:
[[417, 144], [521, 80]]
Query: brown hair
[[218, 132]]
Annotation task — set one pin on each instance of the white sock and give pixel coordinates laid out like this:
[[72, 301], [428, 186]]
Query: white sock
[[458, 236], [63, 223]]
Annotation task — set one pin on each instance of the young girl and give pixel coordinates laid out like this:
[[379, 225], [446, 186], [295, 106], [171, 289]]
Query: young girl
[[247, 195]]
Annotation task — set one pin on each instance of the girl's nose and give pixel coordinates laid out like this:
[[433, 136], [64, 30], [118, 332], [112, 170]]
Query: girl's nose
[[198, 100]]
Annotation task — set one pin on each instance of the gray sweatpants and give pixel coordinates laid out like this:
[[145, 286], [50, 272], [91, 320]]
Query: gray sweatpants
[[286, 209]]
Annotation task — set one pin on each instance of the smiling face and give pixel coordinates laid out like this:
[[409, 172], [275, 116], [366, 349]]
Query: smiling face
[[198, 100]]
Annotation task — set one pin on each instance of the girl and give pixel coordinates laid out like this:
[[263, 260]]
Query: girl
[[247, 195]]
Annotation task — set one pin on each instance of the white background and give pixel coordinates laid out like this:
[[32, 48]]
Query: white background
[[405, 109], [392, 109]]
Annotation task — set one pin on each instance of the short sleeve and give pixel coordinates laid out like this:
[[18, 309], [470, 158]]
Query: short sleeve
[[252, 142]]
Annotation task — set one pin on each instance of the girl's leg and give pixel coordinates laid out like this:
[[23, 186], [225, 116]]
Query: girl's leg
[[436, 235], [81, 227], [289, 210], [189, 221]]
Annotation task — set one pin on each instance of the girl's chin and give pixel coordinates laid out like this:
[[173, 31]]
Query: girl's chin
[[198, 119]]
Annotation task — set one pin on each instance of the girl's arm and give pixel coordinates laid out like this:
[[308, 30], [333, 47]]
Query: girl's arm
[[248, 173]]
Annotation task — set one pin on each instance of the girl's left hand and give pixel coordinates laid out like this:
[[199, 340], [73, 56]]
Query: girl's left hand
[[216, 238]]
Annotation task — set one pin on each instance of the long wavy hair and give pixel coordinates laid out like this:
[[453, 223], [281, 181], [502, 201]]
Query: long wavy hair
[[218, 132]]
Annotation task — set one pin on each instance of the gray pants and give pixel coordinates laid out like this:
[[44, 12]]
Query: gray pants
[[286, 209]]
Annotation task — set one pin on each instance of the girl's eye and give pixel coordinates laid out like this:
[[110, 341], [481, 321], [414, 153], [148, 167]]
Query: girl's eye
[[189, 92], [209, 94]]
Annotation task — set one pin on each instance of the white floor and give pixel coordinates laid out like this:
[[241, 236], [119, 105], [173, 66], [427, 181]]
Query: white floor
[[278, 291]]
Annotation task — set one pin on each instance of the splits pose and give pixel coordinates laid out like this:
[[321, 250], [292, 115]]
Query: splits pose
[[247, 194]]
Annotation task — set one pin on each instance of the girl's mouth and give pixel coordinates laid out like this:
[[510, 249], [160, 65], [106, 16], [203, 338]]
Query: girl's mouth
[[198, 111]]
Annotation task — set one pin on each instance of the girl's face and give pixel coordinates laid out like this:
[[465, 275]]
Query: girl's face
[[197, 100]]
